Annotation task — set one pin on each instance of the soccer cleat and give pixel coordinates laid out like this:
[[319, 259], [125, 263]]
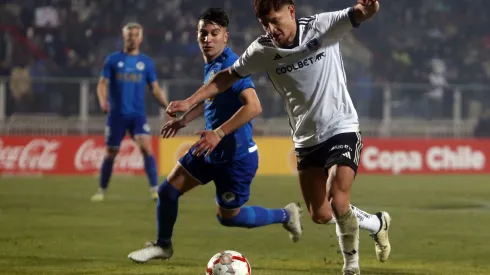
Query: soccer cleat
[[152, 251], [293, 226], [154, 196], [99, 196], [382, 244], [354, 271]]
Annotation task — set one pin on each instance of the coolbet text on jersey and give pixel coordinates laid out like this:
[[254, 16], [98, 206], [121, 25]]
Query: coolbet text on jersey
[[309, 76]]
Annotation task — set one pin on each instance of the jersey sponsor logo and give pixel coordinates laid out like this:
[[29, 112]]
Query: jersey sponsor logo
[[129, 77], [210, 76], [340, 147], [301, 64]]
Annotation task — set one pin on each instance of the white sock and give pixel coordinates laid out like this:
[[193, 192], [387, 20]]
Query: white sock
[[369, 222], [348, 233]]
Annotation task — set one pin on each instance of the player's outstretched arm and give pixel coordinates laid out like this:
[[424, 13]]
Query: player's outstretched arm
[[171, 128], [194, 112], [219, 83], [159, 94], [250, 108], [102, 94], [365, 9]]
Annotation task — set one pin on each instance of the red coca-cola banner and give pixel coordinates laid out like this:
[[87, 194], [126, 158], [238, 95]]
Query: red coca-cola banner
[[425, 156], [83, 155], [65, 155]]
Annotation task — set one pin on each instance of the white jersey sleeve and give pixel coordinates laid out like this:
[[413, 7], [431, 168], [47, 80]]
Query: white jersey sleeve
[[251, 61], [334, 25]]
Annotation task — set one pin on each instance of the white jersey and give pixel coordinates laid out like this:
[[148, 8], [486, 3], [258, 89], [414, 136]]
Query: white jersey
[[310, 77]]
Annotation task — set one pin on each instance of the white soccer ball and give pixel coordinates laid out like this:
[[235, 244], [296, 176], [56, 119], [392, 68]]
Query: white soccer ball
[[228, 262]]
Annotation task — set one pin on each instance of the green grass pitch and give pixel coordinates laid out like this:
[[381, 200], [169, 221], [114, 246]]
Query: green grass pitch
[[49, 226]]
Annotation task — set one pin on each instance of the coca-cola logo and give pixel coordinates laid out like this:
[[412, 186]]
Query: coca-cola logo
[[37, 154], [89, 156]]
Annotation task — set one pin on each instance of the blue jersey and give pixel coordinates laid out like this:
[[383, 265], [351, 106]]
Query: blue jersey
[[221, 108], [128, 77]]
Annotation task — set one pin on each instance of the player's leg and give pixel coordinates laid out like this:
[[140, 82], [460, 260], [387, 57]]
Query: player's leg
[[233, 182], [140, 131], [312, 181], [341, 166], [189, 173], [339, 183], [114, 133]]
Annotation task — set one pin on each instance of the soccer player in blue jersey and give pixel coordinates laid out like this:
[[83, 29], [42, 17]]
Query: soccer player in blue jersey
[[225, 153], [121, 93]]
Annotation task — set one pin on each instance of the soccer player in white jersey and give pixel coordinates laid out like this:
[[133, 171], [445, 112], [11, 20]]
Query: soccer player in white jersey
[[302, 58]]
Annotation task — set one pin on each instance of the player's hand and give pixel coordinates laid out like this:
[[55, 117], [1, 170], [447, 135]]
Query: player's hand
[[104, 106], [209, 140], [177, 106], [366, 2], [171, 128]]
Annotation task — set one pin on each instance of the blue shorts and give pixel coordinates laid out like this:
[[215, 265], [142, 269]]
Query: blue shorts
[[232, 179], [117, 126]]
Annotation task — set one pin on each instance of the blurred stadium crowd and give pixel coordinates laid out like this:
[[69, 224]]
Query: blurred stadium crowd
[[437, 42]]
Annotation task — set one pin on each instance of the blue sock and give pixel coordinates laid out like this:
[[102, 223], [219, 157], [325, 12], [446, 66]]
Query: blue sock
[[105, 172], [167, 208], [256, 216], [151, 170]]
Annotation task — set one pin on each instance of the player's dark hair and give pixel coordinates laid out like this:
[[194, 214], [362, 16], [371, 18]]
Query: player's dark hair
[[264, 7], [216, 16]]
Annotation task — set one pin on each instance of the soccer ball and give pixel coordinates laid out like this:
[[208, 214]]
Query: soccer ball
[[228, 262]]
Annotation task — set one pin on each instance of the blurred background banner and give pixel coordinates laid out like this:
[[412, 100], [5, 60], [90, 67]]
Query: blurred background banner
[[276, 154], [64, 155], [379, 155]]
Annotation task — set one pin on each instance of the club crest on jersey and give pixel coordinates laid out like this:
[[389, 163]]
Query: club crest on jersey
[[228, 196], [313, 44], [140, 66], [120, 64]]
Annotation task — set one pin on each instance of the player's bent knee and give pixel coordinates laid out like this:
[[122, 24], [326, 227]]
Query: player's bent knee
[[227, 217], [167, 192], [227, 213], [230, 222], [321, 219], [111, 152], [144, 143], [145, 150]]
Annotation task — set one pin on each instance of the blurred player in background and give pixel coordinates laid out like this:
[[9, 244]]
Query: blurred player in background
[[126, 74], [225, 153], [302, 58]]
